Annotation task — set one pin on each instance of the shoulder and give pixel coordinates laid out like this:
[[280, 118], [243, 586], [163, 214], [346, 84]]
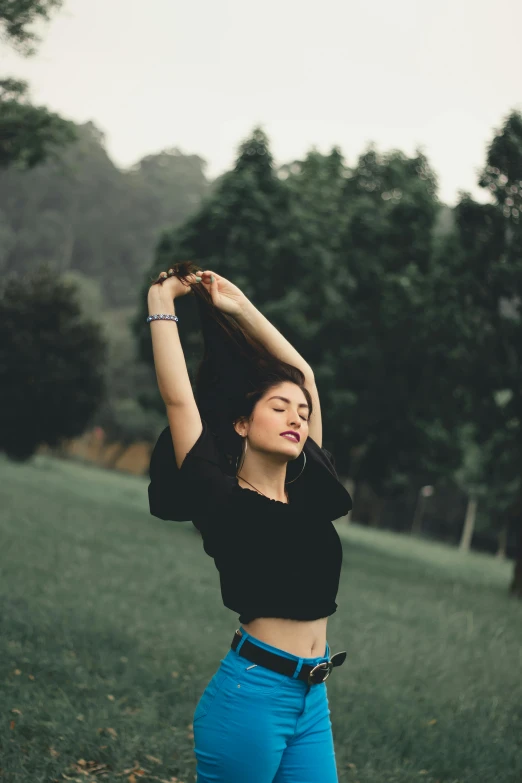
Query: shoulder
[[320, 456], [319, 486], [207, 448], [204, 477]]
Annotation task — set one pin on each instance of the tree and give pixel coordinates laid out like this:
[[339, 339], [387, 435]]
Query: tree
[[51, 363], [28, 134], [471, 478], [17, 15], [80, 212], [490, 241], [387, 357], [123, 419]]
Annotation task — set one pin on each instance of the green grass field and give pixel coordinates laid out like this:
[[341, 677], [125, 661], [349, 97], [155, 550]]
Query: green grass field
[[112, 625]]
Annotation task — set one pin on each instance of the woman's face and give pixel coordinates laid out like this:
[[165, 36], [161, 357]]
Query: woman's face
[[273, 415]]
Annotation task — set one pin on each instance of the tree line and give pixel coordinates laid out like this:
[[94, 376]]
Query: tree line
[[408, 311]]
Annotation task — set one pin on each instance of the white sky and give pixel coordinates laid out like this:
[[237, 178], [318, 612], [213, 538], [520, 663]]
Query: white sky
[[200, 74]]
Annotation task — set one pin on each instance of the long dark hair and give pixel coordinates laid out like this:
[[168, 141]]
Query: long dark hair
[[236, 370]]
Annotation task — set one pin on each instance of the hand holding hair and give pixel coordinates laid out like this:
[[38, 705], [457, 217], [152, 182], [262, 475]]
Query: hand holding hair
[[226, 296], [172, 285]]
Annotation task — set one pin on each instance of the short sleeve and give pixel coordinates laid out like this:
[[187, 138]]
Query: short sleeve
[[319, 486], [194, 490]]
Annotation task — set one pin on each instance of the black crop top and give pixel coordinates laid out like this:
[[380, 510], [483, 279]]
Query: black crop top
[[274, 559]]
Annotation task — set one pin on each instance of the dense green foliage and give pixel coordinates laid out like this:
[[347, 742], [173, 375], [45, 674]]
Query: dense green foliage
[[51, 363], [28, 134], [391, 298], [81, 213], [17, 16]]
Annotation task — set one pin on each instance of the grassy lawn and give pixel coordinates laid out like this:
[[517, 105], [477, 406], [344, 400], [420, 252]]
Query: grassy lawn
[[112, 625]]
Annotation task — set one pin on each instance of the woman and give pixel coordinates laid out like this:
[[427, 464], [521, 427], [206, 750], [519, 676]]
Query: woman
[[243, 460]]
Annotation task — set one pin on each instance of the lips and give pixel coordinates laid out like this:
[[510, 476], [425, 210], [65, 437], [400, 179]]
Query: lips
[[294, 436]]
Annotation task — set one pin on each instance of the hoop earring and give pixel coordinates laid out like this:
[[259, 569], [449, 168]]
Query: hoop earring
[[304, 465], [241, 455]]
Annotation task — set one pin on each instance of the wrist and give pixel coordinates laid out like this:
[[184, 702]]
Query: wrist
[[160, 304], [245, 311]]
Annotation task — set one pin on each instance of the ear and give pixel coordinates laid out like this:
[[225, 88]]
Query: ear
[[240, 427]]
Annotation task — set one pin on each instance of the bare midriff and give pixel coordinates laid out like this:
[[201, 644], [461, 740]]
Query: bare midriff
[[305, 638]]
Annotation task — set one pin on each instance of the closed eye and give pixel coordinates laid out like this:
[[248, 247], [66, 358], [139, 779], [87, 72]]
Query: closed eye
[[282, 410]]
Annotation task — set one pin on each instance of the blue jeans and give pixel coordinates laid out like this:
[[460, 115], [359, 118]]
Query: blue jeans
[[254, 725]]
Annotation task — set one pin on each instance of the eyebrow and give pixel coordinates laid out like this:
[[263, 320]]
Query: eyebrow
[[285, 399]]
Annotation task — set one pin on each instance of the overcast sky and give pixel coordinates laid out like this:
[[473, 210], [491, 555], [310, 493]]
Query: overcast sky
[[200, 74]]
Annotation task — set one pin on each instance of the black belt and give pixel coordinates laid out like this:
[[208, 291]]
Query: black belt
[[313, 675]]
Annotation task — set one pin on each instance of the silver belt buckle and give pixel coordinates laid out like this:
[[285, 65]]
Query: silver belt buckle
[[329, 667]]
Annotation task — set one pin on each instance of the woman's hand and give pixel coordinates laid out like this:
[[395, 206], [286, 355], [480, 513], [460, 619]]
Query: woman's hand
[[226, 296], [171, 286]]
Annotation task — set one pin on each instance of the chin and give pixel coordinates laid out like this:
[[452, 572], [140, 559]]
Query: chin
[[292, 447], [295, 452]]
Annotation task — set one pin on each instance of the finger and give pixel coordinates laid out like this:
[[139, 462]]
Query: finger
[[209, 276], [191, 279]]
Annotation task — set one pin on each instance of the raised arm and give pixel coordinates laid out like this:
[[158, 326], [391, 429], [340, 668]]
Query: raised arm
[[255, 323], [171, 369], [230, 299]]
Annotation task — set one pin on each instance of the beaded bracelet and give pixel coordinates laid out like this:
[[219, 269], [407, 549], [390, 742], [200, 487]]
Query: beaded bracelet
[[162, 316]]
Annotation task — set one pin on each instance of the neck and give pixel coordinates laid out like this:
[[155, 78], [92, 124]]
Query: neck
[[265, 476]]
